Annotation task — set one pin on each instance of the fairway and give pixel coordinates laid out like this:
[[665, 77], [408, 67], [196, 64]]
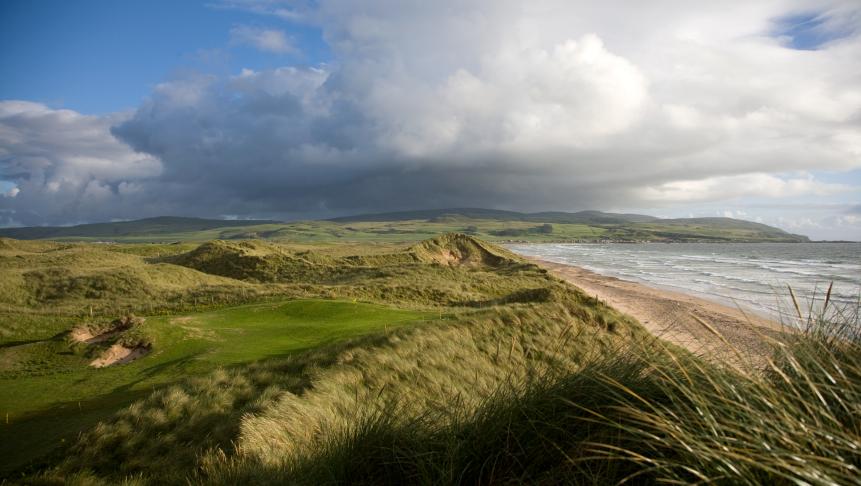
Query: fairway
[[58, 394]]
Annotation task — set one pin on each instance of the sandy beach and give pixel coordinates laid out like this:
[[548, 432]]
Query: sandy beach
[[676, 317]]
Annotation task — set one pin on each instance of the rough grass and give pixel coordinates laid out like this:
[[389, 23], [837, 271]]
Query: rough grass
[[522, 380], [268, 412], [222, 314], [182, 345], [646, 414], [563, 405], [79, 280]]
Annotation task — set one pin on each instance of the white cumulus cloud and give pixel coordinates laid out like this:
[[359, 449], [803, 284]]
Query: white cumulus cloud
[[64, 164], [272, 40], [548, 104]]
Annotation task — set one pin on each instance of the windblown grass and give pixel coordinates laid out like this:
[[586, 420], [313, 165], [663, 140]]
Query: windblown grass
[[270, 411], [400, 409], [224, 304], [525, 381], [647, 414]]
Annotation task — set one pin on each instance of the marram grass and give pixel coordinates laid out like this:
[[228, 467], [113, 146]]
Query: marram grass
[[526, 381], [638, 413], [647, 414]]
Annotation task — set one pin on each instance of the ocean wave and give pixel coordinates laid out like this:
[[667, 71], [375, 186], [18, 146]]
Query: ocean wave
[[743, 273]]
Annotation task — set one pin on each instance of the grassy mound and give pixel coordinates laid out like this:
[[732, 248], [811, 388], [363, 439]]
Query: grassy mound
[[269, 412], [75, 279], [449, 405], [647, 416], [461, 249], [450, 270], [12, 246], [261, 261], [198, 319], [246, 260]]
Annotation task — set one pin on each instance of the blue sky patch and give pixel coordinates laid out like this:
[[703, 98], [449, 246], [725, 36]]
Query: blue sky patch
[[807, 31], [102, 56]]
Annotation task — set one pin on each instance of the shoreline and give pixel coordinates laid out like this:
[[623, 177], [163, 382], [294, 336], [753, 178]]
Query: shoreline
[[675, 316]]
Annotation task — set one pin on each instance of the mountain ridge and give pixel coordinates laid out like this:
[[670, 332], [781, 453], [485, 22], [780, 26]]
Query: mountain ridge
[[587, 216], [500, 225], [155, 225]]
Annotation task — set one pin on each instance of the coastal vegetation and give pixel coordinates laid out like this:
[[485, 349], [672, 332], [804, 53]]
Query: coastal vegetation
[[224, 304], [448, 361], [411, 226]]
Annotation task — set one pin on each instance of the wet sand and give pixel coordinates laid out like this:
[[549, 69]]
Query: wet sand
[[676, 317]]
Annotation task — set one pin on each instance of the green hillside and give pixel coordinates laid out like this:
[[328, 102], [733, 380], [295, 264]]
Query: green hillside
[[226, 304], [142, 227], [444, 361], [410, 226], [581, 217]]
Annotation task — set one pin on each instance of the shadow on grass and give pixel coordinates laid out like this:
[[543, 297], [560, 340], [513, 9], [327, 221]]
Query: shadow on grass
[[12, 344], [40, 437]]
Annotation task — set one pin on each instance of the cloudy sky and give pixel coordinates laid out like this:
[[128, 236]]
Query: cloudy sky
[[290, 109]]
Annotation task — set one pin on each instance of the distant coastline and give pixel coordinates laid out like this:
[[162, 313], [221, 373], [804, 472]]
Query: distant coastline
[[752, 275], [490, 225], [675, 316]]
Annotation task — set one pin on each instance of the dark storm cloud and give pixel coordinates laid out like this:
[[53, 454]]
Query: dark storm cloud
[[508, 107]]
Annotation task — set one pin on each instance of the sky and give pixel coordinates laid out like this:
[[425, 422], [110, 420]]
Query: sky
[[308, 109]]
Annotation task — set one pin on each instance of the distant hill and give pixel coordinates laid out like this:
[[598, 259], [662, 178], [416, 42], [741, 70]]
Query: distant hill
[[612, 226], [581, 217], [405, 226], [141, 227]]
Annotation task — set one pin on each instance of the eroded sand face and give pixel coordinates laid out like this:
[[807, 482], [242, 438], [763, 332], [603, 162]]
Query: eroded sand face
[[84, 335], [119, 354]]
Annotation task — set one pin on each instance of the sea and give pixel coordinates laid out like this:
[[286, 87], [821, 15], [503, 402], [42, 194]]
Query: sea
[[754, 276]]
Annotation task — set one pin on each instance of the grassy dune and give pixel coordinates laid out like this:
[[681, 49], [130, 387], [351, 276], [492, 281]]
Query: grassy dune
[[511, 377], [219, 304], [183, 345], [648, 415]]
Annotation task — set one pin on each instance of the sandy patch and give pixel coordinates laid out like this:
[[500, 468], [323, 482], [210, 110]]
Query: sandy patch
[[81, 335], [676, 317], [119, 354], [84, 335], [450, 258]]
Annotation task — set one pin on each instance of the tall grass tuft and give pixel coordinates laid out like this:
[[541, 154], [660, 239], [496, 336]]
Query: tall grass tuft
[[647, 413]]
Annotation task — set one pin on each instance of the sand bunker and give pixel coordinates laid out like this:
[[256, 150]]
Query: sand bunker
[[83, 334], [119, 354]]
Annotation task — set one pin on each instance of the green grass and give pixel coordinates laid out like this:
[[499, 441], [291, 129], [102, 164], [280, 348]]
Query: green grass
[[644, 414], [515, 378], [563, 403], [488, 229], [274, 408], [183, 345], [418, 225], [219, 304], [190, 343]]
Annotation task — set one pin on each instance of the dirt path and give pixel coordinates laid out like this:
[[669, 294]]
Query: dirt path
[[676, 317]]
